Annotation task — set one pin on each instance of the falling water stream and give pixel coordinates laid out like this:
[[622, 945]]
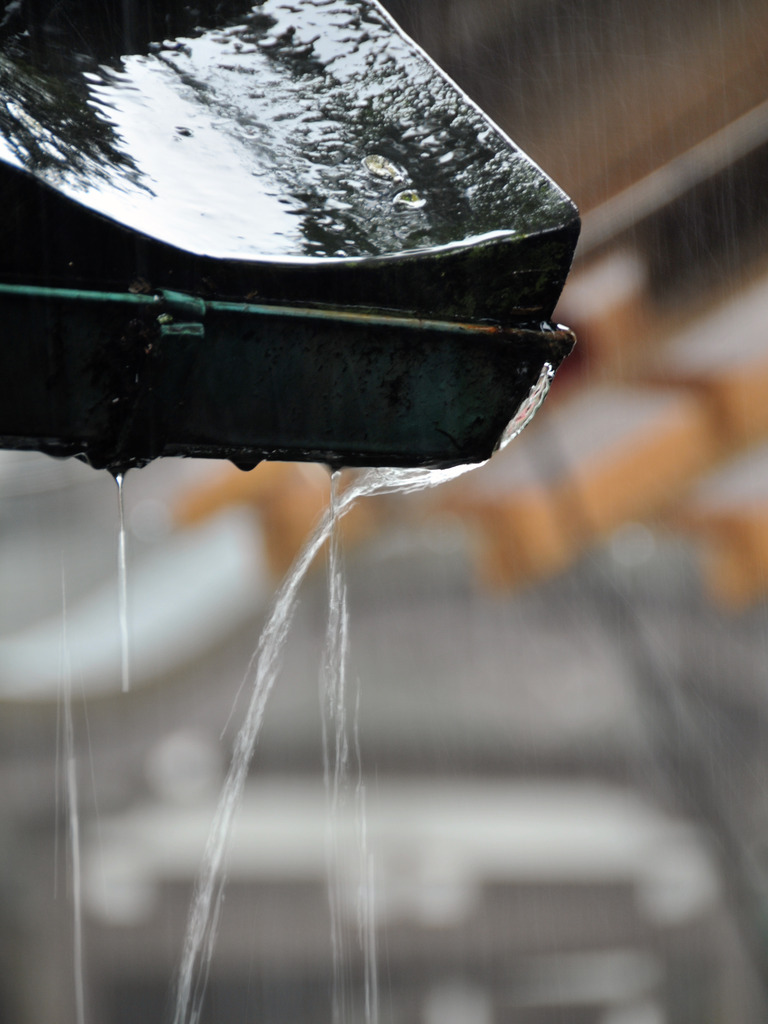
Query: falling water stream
[[350, 864], [122, 585], [69, 785], [351, 880], [203, 919], [333, 681]]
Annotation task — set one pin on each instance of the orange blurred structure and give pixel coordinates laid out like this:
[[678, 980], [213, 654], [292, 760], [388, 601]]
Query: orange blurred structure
[[599, 456]]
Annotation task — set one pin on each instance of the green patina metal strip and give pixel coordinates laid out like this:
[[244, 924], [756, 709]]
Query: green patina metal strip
[[191, 305], [74, 294], [353, 316]]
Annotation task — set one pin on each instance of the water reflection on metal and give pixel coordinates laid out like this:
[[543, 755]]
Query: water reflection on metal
[[262, 166], [529, 407], [258, 139]]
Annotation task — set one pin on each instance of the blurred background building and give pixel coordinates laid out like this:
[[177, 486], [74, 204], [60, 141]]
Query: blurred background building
[[561, 658]]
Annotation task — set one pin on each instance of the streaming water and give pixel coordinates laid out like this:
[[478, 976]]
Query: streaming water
[[350, 865], [202, 924], [73, 820], [203, 920], [336, 754], [122, 585], [529, 407]]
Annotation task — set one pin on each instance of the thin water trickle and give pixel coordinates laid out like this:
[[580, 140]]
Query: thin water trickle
[[350, 866], [203, 920], [335, 749], [122, 586], [366, 906], [73, 816]]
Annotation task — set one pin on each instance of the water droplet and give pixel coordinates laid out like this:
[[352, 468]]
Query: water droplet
[[380, 167], [409, 197]]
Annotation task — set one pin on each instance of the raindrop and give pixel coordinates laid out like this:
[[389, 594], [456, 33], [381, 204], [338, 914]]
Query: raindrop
[[380, 167], [409, 197]]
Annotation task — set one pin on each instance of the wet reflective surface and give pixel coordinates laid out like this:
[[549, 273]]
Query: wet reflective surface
[[252, 175], [290, 130]]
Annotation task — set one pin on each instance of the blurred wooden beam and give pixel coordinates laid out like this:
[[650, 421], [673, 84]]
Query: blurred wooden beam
[[727, 514], [602, 457]]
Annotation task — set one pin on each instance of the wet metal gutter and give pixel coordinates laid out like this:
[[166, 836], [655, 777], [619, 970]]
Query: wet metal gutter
[[182, 274]]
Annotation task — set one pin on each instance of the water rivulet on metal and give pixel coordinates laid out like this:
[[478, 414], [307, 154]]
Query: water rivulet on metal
[[270, 231]]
